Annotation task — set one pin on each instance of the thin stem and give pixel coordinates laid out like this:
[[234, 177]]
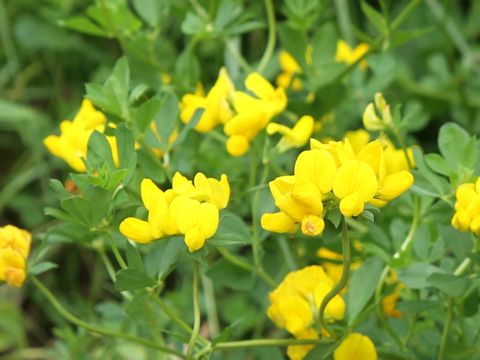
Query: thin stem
[[343, 280], [269, 342], [95, 328], [344, 20], [237, 56], [196, 311], [211, 306], [235, 260], [271, 36], [116, 253], [446, 329]]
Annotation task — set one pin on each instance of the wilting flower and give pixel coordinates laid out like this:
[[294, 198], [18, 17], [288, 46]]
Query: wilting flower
[[252, 113], [215, 104], [348, 55], [190, 209], [293, 137], [355, 346], [294, 305], [467, 207], [71, 145], [14, 250]]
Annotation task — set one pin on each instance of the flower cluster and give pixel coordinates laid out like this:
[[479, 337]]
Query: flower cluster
[[294, 305], [71, 145], [14, 250], [467, 208], [190, 209], [333, 172], [250, 114]]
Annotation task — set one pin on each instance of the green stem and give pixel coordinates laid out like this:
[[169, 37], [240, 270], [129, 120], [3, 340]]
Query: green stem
[[247, 266], [196, 311], [211, 306], [116, 252], [237, 56], [344, 20], [446, 329], [343, 280], [269, 342], [271, 36], [404, 14], [95, 328]]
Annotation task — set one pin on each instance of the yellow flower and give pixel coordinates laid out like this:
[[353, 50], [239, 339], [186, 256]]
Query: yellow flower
[[348, 55], [373, 122], [295, 302], [14, 250], [188, 208], [71, 145], [356, 347], [215, 104], [467, 208], [290, 68], [253, 113], [295, 137]]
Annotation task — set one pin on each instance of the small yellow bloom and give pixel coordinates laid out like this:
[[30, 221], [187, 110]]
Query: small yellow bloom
[[356, 347], [467, 208], [71, 145], [295, 137], [373, 122], [188, 208], [290, 68], [348, 55], [215, 104], [14, 250], [253, 113]]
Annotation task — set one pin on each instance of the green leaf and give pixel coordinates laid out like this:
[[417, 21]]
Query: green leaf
[[132, 279], [415, 276], [448, 283], [232, 230], [163, 255], [362, 287], [456, 145], [193, 24], [134, 260], [166, 118], [83, 24], [190, 125], [223, 273], [99, 151], [152, 11], [375, 17], [227, 12], [438, 164], [324, 45], [146, 112], [41, 267]]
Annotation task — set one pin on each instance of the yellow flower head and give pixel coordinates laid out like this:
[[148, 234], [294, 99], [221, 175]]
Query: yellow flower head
[[295, 137], [290, 68], [467, 208], [215, 104], [71, 145], [252, 113], [356, 346], [348, 55], [295, 302], [188, 208], [14, 250]]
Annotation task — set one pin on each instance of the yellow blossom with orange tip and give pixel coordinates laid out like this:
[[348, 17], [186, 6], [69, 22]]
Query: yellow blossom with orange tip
[[188, 208], [356, 346], [253, 113], [389, 301], [294, 137], [215, 104], [348, 55], [294, 305], [467, 207], [71, 144], [14, 250]]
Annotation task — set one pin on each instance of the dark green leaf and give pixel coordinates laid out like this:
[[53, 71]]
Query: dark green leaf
[[132, 279]]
